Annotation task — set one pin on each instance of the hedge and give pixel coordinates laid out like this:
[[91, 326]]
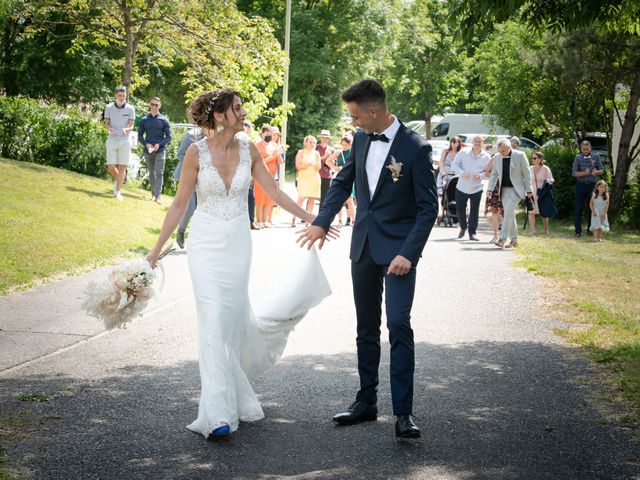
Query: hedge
[[50, 135]]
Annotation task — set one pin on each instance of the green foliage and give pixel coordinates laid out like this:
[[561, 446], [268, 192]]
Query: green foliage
[[528, 81], [427, 72], [38, 63], [630, 211], [48, 135], [333, 44], [210, 42], [479, 16], [560, 160]]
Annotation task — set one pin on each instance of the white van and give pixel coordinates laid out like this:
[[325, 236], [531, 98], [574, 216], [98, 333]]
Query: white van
[[454, 123]]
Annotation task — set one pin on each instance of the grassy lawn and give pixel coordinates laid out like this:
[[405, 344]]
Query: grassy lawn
[[596, 286], [54, 221]]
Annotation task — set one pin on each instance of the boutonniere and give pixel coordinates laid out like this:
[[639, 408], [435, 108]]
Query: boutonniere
[[395, 168]]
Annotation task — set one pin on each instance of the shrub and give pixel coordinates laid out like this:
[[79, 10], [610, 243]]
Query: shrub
[[630, 211], [49, 135], [560, 160]]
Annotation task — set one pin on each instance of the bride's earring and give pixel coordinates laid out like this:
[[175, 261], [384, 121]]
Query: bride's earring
[[219, 129]]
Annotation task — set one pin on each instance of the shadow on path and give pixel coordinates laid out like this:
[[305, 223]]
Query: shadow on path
[[487, 410]]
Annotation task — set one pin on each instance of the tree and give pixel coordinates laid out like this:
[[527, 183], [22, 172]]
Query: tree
[[616, 24], [527, 80], [218, 45], [426, 73], [333, 44], [38, 65]]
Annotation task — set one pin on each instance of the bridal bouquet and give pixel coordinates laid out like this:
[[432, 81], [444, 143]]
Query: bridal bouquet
[[123, 295]]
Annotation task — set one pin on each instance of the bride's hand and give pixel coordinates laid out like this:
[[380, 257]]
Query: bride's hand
[[152, 259]]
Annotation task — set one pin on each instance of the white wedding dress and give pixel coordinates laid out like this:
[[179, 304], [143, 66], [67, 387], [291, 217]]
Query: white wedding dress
[[235, 345]]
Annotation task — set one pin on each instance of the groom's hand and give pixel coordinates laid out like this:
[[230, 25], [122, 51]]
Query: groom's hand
[[312, 233], [399, 266]]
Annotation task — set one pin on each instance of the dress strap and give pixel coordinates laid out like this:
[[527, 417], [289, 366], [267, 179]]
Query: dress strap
[[203, 151], [243, 142]]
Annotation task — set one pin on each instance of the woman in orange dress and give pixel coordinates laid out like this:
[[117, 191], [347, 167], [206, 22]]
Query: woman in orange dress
[[282, 149], [270, 152]]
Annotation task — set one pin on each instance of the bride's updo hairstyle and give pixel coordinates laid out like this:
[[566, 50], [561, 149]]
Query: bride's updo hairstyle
[[201, 110]]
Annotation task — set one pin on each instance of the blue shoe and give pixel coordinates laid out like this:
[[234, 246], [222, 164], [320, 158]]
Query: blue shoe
[[222, 431]]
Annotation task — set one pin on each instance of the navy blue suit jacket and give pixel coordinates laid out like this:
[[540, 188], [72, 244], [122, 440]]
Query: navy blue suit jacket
[[399, 216]]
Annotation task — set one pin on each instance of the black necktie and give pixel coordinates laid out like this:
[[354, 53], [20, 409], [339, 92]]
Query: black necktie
[[374, 137]]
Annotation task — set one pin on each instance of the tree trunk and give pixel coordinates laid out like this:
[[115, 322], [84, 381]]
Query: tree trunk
[[8, 76], [623, 161], [129, 53], [427, 124]]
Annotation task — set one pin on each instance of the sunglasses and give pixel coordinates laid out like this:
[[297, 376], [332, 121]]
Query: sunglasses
[[154, 104]]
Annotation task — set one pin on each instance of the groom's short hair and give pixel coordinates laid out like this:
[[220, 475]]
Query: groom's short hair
[[365, 92]]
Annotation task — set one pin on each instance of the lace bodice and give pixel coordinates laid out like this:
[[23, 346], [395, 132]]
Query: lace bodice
[[213, 198]]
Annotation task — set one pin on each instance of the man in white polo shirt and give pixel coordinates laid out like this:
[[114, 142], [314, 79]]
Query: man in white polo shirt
[[118, 120]]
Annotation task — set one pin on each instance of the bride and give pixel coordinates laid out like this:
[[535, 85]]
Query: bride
[[234, 345]]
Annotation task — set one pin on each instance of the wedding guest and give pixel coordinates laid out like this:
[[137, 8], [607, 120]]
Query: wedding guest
[[539, 174], [587, 167], [493, 203], [336, 162], [325, 151], [308, 163], [445, 165], [193, 135], [270, 152], [599, 206], [515, 143], [470, 165], [511, 169], [154, 133], [119, 117], [247, 128], [277, 137]]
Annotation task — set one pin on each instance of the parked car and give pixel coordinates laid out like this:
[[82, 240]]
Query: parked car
[[598, 140], [419, 126], [528, 143]]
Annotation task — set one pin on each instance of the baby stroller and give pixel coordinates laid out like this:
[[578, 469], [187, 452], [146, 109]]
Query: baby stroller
[[449, 215]]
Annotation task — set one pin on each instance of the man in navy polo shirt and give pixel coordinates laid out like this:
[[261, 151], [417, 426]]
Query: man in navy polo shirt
[[154, 132], [586, 168]]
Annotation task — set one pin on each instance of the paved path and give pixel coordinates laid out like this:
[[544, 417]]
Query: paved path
[[498, 395]]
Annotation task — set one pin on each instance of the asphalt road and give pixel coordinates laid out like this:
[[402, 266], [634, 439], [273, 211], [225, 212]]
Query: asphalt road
[[497, 395]]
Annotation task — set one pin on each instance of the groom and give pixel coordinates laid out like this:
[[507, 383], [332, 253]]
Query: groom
[[397, 207]]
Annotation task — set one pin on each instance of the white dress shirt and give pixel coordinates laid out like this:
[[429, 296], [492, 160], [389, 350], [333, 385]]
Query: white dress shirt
[[466, 162], [377, 155]]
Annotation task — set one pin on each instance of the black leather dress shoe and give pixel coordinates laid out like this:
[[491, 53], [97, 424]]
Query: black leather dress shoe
[[358, 412], [406, 427], [474, 238], [462, 232]]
